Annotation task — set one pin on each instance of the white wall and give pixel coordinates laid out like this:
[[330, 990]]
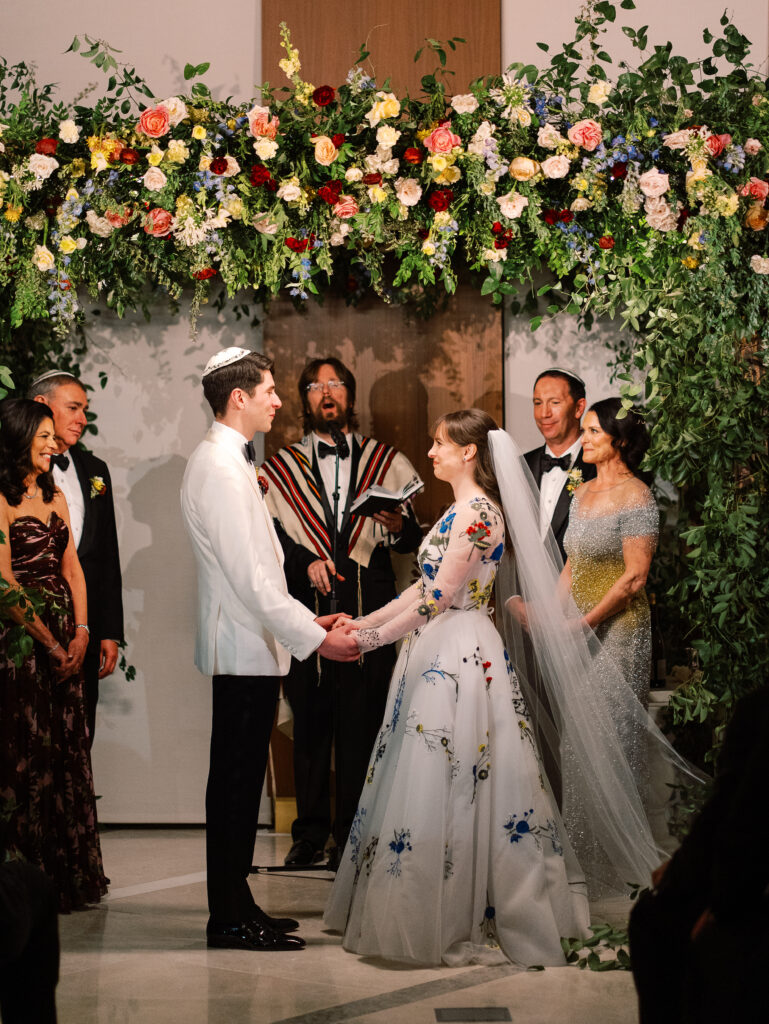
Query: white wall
[[151, 751]]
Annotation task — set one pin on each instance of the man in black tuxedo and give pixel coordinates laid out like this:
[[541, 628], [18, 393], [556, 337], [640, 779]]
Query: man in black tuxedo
[[86, 484], [335, 703], [557, 467]]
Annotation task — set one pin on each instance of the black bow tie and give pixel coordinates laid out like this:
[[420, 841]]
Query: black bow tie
[[61, 461], [325, 449], [550, 462], [248, 451]]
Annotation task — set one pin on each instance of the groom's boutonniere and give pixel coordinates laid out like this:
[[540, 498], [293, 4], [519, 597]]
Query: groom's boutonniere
[[573, 480], [264, 485], [98, 486]]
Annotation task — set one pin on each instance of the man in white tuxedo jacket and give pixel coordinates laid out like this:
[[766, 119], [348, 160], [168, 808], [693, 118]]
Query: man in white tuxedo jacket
[[248, 629]]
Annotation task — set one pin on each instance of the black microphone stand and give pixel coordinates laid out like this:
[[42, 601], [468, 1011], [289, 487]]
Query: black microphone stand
[[342, 451]]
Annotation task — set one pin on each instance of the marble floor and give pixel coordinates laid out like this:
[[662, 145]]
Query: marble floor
[[141, 957]]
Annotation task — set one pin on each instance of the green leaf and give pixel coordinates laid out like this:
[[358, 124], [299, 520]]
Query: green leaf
[[607, 10], [535, 322], [74, 46], [627, 5], [543, 46]]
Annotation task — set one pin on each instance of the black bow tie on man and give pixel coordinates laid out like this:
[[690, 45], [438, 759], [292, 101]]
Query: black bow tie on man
[[61, 461], [248, 451], [550, 462], [326, 449]]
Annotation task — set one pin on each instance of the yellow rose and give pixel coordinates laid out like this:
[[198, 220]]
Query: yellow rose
[[523, 169], [390, 107], [449, 176], [67, 245], [198, 132], [599, 93], [234, 206], [325, 150], [377, 194], [177, 151], [428, 248], [155, 157], [438, 161], [98, 161], [43, 258]]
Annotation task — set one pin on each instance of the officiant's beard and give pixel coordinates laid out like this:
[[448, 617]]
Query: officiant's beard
[[321, 421]]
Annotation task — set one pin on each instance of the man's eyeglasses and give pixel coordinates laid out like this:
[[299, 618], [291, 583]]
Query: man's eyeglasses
[[317, 386]]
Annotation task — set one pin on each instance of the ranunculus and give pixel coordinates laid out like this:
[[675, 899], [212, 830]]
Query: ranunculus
[[408, 191], [524, 169], [759, 264], [440, 199], [556, 167], [325, 151], [565, 216], [414, 156], [654, 183], [129, 156], [548, 137], [587, 134], [375, 178], [330, 192], [69, 131], [619, 170], [154, 122], [117, 219], [42, 166], [154, 179], [387, 136], [599, 93], [466, 103], [345, 207], [264, 224], [441, 139], [177, 111], [265, 148], [261, 124], [43, 258], [512, 205], [158, 222], [606, 242], [677, 140], [323, 95], [550, 216], [752, 147], [757, 217], [757, 188], [259, 174], [204, 274], [99, 225], [717, 143], [46, 146]]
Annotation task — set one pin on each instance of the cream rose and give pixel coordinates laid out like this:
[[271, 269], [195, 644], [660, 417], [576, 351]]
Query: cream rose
[[386, 106], [548, 137], [177, 111], [42, 166], [759, 264], [465, 103], [353, 174], [587, 134], [408, 191], [265, 148], [523, 169], [677, 140], [387, 136], [659, 214], [69, 131], [653, 183], [494, 255], [512, 205], [290, 191], [581, 204], [428, 248], [264, 224], [154, 179], [233, 167], [99, 225], [598, 93], [325, 150], [556, 167], [43, 258]]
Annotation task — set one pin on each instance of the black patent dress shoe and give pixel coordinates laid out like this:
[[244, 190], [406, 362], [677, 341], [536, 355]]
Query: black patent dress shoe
[[334, 858], [302, 854], [278, 924], [251, 935]]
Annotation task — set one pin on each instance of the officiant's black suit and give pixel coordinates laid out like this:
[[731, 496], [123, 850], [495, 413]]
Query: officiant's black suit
[[560, 518], [100, 559], [334, 703]]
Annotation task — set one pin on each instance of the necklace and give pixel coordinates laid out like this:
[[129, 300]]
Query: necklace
[[601, 490], [31, 497]]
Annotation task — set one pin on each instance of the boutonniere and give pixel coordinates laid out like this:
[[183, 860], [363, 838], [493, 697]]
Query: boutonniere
[[97, 486], [573, 480], [264, 485]]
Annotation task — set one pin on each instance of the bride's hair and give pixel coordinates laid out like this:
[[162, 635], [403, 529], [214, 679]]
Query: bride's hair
[[472, 426]]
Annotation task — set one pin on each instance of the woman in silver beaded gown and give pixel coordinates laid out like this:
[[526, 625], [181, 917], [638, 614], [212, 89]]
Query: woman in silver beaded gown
[[610, 541]]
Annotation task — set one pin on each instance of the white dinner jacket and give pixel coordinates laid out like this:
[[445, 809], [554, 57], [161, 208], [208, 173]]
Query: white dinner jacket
[[247, 622]]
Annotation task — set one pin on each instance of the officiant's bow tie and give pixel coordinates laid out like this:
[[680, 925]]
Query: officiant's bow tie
[[550, 462], [248, 451], [61, 461], [325, 449]]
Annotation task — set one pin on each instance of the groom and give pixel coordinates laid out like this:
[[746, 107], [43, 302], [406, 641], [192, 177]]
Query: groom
[[248, 628]]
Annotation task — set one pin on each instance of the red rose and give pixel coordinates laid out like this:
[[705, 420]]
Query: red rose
[[375, 178], [297, 244], [158, 222], [682, 219], [154, 122], [619, 171], [338, 140], [441, 199], [46, 146], [204, 274], [566, 216], [413, 156], [323, 95], [259, 174], [501, 242], [606, 242], [128, 156], [218, 165], [550, 216], [328, 195], [496, 228]]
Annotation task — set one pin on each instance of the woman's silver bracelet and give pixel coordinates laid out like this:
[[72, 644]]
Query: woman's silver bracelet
[[52, 649]]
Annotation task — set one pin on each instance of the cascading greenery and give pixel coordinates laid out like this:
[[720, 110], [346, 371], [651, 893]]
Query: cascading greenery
[[643, 197]]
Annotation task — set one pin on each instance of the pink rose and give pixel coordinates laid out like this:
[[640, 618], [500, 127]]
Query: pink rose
[[442, 139], [158, 222], [154, 122], [654, 183], [717, 143], [261, 124], [118, 219], [587, 134], [756, 187], [555, 167], [752, 147], [345, 207]]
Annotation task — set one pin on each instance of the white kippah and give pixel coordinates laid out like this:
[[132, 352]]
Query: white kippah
[[224, 358], [52, 373], [566, 373]]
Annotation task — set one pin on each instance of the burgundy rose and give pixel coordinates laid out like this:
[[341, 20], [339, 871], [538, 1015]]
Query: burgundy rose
[[375, 178], [441, 199], [271, 185], [413, 156], [566, 216], [619, 171], [259, 175], [204, 274], [550, 216], [323, 95], [423, 233], [683, 216], [330, 192], [46, 146], [496, 228], [128, 156], [606, 242], [501, 242], [338, 139], [218, 165]]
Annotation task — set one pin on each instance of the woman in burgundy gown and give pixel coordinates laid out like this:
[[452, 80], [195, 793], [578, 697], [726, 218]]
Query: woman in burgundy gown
[[46, 785]]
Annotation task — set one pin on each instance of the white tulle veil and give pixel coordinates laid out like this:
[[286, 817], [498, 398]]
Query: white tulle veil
[[607, 807]]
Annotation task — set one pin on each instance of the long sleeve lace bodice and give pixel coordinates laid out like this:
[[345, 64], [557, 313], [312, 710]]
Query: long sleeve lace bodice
[[458, 561]]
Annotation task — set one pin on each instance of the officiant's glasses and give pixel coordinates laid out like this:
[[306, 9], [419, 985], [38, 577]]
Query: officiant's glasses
[[317, 386]]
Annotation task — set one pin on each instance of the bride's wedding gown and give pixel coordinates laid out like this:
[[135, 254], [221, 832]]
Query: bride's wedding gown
[[457, 853]]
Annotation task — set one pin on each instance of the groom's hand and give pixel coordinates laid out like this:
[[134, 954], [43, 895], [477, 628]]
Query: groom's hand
[[333, 621], [339, 646]]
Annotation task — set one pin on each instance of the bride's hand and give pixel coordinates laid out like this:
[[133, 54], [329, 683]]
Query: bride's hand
[[517, 608]]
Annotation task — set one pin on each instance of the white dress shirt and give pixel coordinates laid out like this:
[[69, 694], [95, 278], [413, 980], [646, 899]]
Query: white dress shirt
[[327, 468], [552, 483], [68, 483]]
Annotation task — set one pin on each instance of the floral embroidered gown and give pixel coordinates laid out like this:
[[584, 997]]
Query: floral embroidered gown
[[45, 765], [456, 854]]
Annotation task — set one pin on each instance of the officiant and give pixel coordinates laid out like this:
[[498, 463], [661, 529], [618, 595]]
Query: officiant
[[332, 703]]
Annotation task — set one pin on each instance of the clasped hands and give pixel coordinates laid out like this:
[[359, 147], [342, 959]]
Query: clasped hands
[[68, 661]]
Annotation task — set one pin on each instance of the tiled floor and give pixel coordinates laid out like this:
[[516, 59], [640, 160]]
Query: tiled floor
[[141, 957]]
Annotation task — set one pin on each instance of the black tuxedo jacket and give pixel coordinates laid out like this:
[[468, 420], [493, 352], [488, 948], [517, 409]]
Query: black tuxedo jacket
[[98, 549], [560, 519]]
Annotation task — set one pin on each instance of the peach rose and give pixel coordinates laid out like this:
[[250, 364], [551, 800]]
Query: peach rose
[[345, 207], [752, 147], [325, 150], [757, 188], [677, 140], [654, 183], [158, 222], [408, 191], [587, 134], [512, 205], [261, 124], [523, 169], [154, 179], [555, 167], [154, 122], [757, 217], [441, 139]]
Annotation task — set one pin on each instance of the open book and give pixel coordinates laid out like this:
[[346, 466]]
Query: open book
[[379, 499]]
